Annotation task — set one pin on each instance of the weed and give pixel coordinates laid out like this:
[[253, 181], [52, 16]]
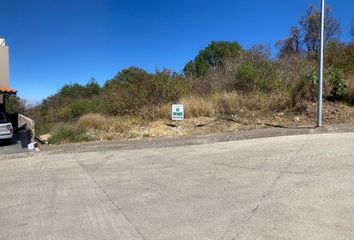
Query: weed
[[94, 121], [67, 134]]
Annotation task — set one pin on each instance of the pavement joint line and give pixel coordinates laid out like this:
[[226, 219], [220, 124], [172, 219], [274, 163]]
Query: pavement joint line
[[115, 204]]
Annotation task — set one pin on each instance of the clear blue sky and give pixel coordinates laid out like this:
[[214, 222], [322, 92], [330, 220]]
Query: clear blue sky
[[54, 42]]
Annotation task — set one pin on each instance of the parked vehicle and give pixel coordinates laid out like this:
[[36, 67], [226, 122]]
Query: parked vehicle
[[6, 129]]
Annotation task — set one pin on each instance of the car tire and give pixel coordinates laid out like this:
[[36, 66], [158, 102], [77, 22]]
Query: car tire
[[9, 141]]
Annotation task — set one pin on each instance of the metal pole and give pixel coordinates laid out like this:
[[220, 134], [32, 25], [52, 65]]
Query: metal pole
[[320, 83]]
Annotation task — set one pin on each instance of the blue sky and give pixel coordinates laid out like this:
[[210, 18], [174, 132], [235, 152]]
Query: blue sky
[[54, 42]]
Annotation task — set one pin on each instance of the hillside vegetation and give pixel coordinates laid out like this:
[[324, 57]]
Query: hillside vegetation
[[225, 82]]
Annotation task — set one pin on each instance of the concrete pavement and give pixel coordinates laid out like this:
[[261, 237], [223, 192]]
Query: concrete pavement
[[289, 187]]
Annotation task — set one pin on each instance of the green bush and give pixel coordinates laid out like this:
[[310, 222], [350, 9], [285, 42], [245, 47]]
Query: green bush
[[78, 108], [72, 92], [131, 75], [245, 78], [122, 100], [43, 126], [212, 56], [65, 134], [15, 105], [337, 84], [267, 79], [301, 93], [130, 97], [334, 86], [257, 75], [166, 87], [307, 88]]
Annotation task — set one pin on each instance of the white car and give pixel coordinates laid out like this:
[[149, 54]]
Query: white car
[[6, 129]]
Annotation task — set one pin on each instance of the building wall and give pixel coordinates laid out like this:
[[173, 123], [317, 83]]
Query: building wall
[[4, 66]]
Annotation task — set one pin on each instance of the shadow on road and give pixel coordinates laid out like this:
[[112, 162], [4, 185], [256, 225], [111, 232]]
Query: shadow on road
[[14, 146]]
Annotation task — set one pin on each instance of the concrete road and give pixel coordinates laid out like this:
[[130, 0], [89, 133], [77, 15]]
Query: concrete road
[[295, 187]]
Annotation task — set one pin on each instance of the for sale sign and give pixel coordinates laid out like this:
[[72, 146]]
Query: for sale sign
[[177, 112]]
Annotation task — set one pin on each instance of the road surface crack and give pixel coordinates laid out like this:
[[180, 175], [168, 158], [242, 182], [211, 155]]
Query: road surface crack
[[268, 192]]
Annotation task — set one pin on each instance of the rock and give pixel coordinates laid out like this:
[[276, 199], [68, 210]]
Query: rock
[[44, 138], [296, 119]]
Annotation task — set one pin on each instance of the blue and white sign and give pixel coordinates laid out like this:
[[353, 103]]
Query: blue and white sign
[[177, 112]]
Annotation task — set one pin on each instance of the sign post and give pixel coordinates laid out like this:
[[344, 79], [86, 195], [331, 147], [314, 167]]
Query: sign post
[[177, 112]]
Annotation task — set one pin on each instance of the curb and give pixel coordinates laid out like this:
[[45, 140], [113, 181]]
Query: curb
[[183, 141]]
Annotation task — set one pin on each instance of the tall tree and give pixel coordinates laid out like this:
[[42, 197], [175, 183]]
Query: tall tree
[[310, 25], [261, 50], [212, 56], [128, 76], [92, 88], [292, 44]]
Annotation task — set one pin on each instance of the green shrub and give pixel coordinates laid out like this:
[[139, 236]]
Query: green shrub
[[337, 84], [303, 91], [43, 126], [15, 105], [131, 75], [130, 98], [78, 108], [267, 79], [122, 100], [166, 87], [66, 134], [212, 56], [72, 92], [245, 78], [334, 86]]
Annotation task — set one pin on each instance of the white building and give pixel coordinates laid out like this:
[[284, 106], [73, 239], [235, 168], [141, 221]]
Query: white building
[[5, 89], [4, 63]]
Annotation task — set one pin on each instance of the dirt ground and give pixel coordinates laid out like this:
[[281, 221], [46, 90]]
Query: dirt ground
[[133, 128], [334, 113]]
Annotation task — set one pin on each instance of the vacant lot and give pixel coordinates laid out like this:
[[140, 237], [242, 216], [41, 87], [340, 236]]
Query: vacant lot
[[296, 187]]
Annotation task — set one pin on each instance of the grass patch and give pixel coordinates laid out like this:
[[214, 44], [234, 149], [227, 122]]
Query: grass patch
[[196, 106], [125, 124], [94, 121], [67, 134]]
